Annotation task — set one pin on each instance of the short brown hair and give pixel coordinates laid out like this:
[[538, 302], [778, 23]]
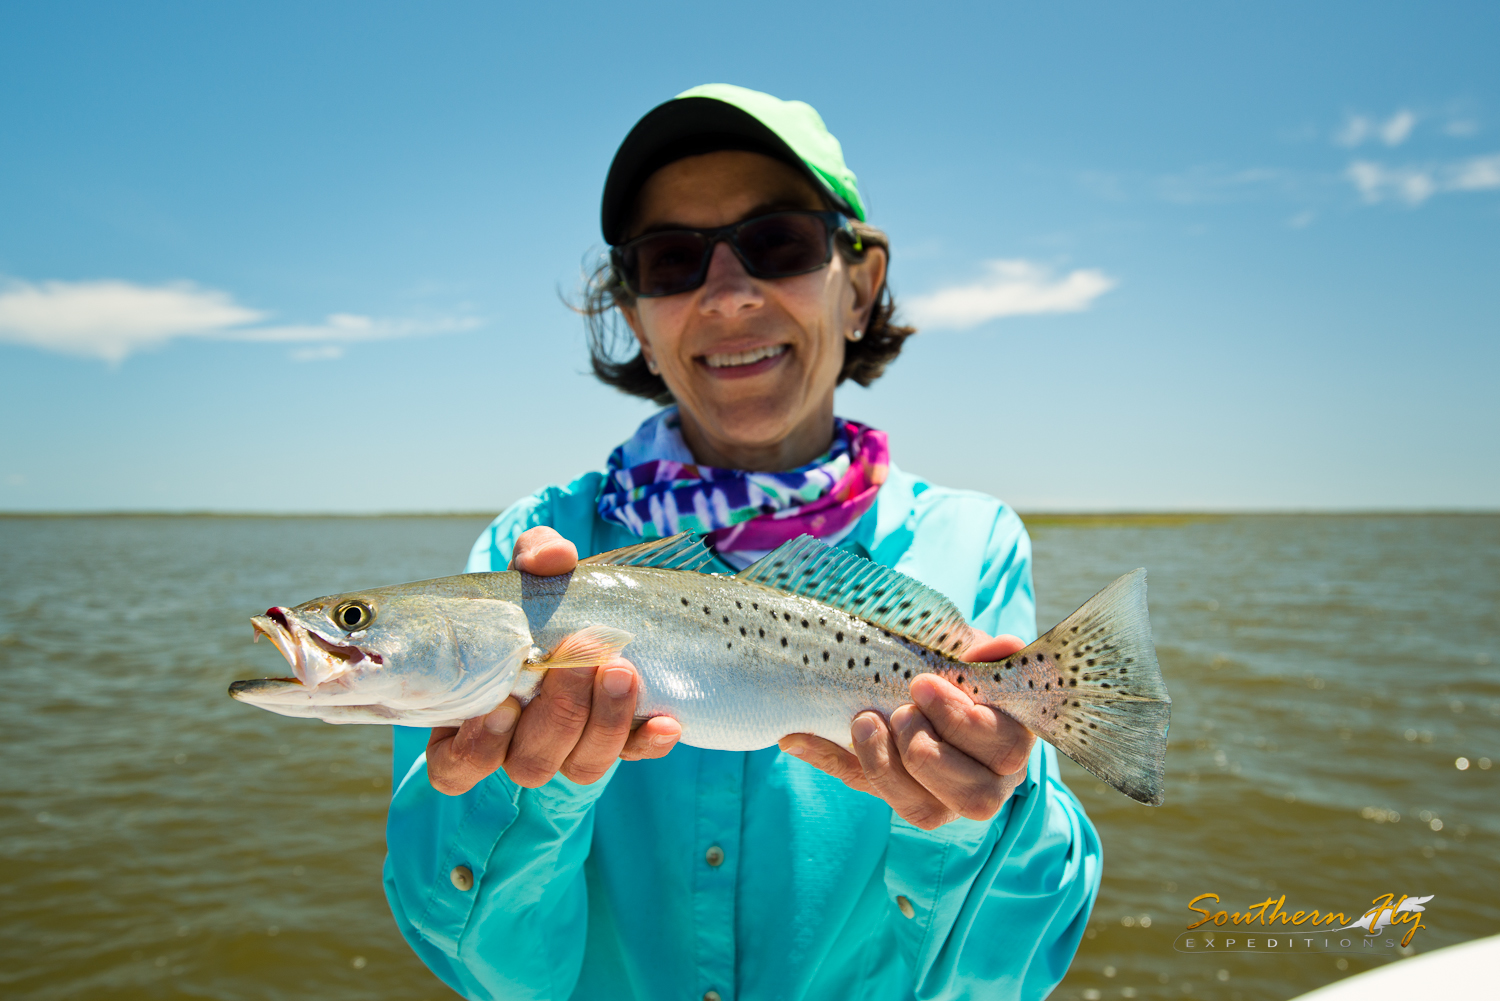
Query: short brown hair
[[865, 360]]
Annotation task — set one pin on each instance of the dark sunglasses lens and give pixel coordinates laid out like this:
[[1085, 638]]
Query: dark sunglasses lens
[[665, 263], [784, 244]]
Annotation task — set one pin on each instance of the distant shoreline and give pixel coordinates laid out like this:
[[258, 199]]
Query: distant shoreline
[[1032, 518]]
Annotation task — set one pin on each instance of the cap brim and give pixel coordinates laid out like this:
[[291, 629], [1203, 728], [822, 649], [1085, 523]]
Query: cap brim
[[683, 127]]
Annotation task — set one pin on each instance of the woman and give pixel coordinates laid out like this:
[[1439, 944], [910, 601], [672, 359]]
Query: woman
[[551, 852]]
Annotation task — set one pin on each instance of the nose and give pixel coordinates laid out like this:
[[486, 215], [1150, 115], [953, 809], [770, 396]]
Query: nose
[[728, 288]]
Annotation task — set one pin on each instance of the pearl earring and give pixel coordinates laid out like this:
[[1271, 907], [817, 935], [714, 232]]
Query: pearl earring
[[856, 335], [651, 367]]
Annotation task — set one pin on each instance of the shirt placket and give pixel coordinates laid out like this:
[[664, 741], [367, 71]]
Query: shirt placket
[[716, 859]]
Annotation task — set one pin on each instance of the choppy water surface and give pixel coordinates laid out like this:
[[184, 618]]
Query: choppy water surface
[[159, 840]]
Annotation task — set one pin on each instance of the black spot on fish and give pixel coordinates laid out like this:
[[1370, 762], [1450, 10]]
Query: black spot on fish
[[906, 604], [755, 605], [1068, 727], [1047, 686], [705, 610], [762, 633], [1091, 663], [738, 605], [822, 621], [788, 616], [867, 662], [804, 658], [851, 661], [1030, 683], [882, 609], [1105, 685], [807, 572], [1074, 683], [728, 646], [924, 615], [877, 677], [1023, 660], [684, 601], [864, 639], [726, 620], [825, 654], [839, 637], [907, 674], [997, 677], [878, 591], [1093, 726], [783, 641], [960, 679], [742, 631], [804, 623]]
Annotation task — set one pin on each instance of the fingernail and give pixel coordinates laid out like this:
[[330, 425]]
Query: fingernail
[[663, 739], [796, 749], [501, 720], [863, 729], [903, 719], [617, 681]]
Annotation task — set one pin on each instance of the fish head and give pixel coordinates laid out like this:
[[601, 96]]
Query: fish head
[[406, 654]]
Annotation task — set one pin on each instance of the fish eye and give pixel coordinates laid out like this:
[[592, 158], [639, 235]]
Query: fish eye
[[353, 615]]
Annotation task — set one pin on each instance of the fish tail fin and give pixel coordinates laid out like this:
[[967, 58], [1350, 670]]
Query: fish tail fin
[[1092, 689]]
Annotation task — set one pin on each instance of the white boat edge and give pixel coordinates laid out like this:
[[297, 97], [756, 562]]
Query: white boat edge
[[1466, 970]]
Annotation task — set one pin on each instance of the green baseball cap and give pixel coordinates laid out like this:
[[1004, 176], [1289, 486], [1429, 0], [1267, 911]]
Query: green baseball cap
[[719, 116]]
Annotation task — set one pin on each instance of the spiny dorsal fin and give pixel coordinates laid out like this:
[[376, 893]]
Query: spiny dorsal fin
[[877, 594], [683, 551]]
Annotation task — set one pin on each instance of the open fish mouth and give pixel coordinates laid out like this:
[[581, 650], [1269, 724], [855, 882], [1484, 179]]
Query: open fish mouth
[[291, 637]]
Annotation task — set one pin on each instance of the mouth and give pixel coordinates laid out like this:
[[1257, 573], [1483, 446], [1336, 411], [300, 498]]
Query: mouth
[[289, 637], [740, 364]]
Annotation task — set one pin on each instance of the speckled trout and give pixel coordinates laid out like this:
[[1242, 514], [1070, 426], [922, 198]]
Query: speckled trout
[[800, 642]]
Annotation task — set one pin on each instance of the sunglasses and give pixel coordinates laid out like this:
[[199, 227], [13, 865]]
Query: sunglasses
[[776, 245]]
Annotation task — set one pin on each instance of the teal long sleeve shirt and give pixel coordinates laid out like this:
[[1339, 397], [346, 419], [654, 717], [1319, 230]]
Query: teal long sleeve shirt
[[610, 890]]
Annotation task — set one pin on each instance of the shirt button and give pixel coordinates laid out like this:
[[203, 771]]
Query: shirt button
[[906, 908], [714, 857], [463, 877], [711, 995]]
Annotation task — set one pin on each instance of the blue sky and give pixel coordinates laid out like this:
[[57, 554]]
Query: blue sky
[[307, 257]]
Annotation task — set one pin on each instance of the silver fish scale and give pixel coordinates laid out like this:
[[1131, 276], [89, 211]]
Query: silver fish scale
[[737, 664]]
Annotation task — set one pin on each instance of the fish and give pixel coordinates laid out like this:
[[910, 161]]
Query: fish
[[801, 641]]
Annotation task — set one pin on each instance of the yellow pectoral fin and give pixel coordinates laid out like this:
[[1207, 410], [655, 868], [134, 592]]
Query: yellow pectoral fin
[[591, 646]]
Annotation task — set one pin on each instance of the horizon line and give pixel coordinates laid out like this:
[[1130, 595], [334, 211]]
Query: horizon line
[[1038, 514]]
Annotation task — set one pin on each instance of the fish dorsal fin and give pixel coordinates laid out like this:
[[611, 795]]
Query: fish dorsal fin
[[683, 551], [875, 593]]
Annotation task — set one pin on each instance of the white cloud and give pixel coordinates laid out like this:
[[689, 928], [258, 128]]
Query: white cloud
[[1011, 288], [1414, 185], [1393, 131], [111, 319], [1462, 128]]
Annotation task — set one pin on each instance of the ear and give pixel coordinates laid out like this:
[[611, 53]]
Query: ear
[[867, 277], [633, 320]]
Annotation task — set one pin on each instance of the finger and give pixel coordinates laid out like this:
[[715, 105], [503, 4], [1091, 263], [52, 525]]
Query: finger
[[543, 552], [875, 747], [985, 649], [829, 757], [962, 784], [610, 716], [984, 734], [652, 739], [550, 726], [459, 757]]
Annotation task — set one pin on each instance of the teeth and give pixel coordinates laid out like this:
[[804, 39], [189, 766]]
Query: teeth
[[744, 357]]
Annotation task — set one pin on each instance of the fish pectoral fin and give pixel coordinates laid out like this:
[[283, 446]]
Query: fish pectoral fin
[[591, 646]]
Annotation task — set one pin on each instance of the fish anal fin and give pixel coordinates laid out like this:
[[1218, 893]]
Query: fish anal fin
[[879, 595], [591, 646], [683, 551]]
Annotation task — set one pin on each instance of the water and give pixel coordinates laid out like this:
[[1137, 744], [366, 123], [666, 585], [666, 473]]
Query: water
[[158, 840]]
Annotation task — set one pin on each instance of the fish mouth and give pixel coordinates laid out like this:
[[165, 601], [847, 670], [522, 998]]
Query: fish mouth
[[290, 637]]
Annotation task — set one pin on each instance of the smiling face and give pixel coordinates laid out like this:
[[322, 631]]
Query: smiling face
[[751, 362]]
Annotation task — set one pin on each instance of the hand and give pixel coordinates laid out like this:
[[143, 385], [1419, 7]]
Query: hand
[[936, 760], [578, 724]]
